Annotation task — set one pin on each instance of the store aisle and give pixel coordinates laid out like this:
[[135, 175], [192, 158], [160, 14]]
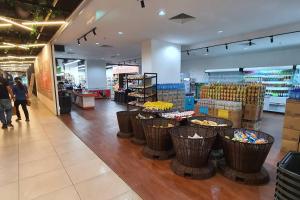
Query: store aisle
[[44, 160], [153, 179]]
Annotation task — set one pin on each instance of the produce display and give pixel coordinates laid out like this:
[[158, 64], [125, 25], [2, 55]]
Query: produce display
[[158, 106], [206, 123], [251, 93], [140, 116], [168, 126], [246, 136], [178, 115]]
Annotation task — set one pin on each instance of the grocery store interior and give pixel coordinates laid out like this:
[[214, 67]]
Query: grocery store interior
[[150, 99]]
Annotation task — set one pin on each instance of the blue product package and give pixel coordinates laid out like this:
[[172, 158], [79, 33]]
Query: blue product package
[[203, 110]]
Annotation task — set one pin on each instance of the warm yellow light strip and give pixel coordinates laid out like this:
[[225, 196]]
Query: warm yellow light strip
[[17, 57], [22, 46], [15, 23], [48, 23], [16, 62], [5, 25]]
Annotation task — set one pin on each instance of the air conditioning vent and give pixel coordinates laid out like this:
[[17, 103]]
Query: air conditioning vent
[[182, 18]]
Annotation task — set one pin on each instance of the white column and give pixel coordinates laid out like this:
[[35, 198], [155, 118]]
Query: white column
[[163, 58]]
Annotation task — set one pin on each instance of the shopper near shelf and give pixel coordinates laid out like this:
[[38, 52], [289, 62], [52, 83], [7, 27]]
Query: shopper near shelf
[[5, 103], [21, 98]]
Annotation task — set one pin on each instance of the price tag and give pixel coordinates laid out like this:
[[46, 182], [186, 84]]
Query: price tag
[[223, 113]]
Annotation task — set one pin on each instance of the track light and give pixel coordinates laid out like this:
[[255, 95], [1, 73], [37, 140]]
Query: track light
[[207, 50], [85, 39], [250, 42], [272, 39], [143, 4], [94, 31], [226, 46], [188, 52], [78, 41]]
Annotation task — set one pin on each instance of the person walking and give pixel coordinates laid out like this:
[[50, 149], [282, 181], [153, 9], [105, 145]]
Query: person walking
[[21, 96], [6, 95]]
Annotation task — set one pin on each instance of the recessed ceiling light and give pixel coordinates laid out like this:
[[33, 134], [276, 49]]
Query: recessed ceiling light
[[206, 54], [220, 31], [245, 48], [120, 33], [162, 13], [118, 54], [97, 43]]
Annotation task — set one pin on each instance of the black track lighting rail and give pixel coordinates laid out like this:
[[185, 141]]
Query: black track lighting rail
[[250, 42], [84, 36]]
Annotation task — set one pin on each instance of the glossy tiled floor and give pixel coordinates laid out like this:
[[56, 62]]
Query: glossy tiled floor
[[44, 160]]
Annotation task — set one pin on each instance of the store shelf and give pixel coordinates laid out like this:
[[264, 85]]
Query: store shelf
[[276, 82], [140, 87], [277, 88], [142, 96], [140, 79]]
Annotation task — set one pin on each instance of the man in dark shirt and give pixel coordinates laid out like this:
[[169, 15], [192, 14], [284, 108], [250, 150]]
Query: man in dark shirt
[[5, 103]]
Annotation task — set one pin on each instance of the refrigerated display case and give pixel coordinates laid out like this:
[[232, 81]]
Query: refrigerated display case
[[278, 82]]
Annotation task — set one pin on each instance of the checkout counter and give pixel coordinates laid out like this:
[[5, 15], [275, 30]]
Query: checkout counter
[[85, 100]]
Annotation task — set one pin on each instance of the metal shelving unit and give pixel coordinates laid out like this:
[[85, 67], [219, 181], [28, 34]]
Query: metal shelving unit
[[144, 88]]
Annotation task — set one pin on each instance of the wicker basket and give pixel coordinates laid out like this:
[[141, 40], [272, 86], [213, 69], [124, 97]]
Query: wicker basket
[[192, 154], [159, 143], [124, 121], [245, 157], [215, 129], [138, 130]]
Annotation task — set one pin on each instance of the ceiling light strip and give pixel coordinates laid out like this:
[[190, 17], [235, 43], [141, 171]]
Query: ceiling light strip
[[15, 23]]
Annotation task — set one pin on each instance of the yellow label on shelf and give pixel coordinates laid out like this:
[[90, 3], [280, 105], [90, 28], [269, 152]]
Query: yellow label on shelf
[[223, 113]]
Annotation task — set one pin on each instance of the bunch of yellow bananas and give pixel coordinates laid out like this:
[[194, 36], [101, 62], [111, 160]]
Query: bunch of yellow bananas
[[158, 105]]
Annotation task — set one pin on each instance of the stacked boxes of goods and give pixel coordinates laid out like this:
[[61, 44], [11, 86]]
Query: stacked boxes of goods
[[251, 97], [223, 109], [291, 130], [173, 93]]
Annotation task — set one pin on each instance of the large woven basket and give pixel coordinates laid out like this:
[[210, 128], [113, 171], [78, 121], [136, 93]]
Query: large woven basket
[[246, 157], [124, 122], [137, 126], [215, 129], [192, 152], [158, 138]]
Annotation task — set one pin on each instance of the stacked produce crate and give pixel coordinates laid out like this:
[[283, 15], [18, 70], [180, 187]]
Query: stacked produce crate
[[291, 130], [173, 93], [251, 97]]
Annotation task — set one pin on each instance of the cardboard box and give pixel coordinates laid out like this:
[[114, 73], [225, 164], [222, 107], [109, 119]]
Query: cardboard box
[[252, 112], [292, 122], [290, 134], [288, 145], [251, 125], [236, 118], [292, 108]]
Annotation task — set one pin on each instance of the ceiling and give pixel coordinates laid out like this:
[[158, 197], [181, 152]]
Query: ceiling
[[32, 10], [237, 19]]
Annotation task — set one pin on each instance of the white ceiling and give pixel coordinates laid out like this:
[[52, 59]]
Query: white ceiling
[[238, 19]]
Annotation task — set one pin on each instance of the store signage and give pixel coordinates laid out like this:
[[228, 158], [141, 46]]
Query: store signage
[[125, 69]]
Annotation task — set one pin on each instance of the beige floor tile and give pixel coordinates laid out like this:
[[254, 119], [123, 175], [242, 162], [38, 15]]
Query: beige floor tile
[[9, 174], [130, 195], [71, 145], [33, 187], [35, 146], [87, 170], [77, 157], [106, 186], [32, 137], [7, 141], [68, 193], [34, 155], [61, 140], [8, 156], [9, 192], [40, 166]]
